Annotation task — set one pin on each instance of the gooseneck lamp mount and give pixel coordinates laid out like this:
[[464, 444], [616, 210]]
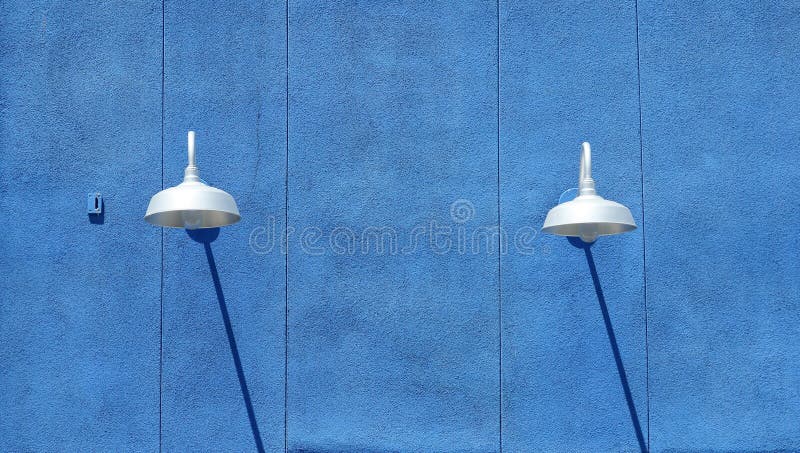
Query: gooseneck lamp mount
[[585, 181], [192, 204], [589, 215], [191, 173]]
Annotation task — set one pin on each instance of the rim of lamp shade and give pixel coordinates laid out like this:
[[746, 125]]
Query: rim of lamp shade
[[192, 204], [588, 215]]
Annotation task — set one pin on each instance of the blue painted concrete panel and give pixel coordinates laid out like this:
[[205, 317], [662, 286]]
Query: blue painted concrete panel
[[80, 112], [720, 92], [392, 118], [393, 141], [223, 302], [574, 375]]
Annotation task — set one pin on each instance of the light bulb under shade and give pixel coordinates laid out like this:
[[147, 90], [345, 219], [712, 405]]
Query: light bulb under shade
[[587, 217], [192, 205]]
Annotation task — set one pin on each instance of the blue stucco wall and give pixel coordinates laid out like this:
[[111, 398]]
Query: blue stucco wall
[[345, 127]]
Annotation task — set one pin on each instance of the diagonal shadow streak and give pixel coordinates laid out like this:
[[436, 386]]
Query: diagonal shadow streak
[[223, 308], [612, 338]]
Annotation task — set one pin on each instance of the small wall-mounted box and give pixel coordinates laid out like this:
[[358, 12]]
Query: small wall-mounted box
[[94, 203]]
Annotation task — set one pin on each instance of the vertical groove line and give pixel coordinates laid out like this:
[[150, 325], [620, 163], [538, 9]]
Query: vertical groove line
[[161, 291], [499, 247], [286, 251], [644, 231]]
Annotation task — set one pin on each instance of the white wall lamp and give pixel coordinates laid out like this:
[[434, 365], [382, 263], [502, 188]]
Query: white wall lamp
[[588, 215], [192, 204]]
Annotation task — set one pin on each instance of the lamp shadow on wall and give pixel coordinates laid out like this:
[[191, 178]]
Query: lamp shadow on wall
[[612, 339], [206, 236]]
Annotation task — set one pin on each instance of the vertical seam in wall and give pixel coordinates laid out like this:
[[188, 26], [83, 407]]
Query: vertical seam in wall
[[286, 251], [499, 249], [161, 291], [644, 235]]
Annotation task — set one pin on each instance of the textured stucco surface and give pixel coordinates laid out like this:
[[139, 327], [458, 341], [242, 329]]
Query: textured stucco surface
[[568, 75], [392, 351], [225, 78], [680, 336], [80, 111], [720, 88]]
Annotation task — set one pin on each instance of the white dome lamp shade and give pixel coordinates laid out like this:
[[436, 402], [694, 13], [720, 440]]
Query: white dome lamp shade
[[588, 215], [192, 204]]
